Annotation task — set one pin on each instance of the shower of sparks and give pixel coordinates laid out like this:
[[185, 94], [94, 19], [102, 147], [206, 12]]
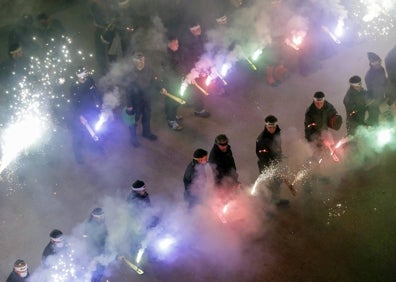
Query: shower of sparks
[[19, 136], [301, 175], [63, 267], [336, 211], [35, 93], [375, 17], [267, 174]]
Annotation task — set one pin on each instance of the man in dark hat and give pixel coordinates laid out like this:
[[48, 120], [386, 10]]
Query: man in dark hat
[[49, 28], [269, 153], [268, 144], [138, 198], [139, 95], [96, 235], [86, 103], [194, 48], [96, 232], [318, 118], [376, 82], [139, 203], [55, 246], [20, 272], [355, 102], [222, 159], [173, 74], [197, 177]]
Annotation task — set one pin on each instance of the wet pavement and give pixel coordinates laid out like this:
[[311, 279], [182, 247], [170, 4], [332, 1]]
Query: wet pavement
[[340, 228]]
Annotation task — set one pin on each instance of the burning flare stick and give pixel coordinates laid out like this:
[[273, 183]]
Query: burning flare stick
[[89, 128], [250, 62], [173, 97], [332, 151], [291, 44], [200, 88], [221, 214], [131, 265], [332, 35], [290, 186], [140, 254]]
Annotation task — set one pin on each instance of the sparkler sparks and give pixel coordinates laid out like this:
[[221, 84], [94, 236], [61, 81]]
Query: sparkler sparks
[[19, 136], [63, 267], [375, 17], [265, 175], [34, 90]]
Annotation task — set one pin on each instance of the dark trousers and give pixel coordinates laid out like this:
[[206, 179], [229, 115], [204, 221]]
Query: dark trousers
[[171, 107], [145, 114]]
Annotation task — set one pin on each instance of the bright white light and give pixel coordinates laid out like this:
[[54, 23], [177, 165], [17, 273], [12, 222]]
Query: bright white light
[[139, 255], [183, 88], [19, 136], [256, 54], [208, 80], [339, 30], [100, 122], [165, 243], [384, 136]]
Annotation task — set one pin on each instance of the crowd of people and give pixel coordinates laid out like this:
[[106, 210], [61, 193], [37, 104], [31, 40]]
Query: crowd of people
[[186, 43]]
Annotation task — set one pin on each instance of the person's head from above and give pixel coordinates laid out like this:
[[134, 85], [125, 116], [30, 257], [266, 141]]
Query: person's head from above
[[138, 60], [139, 187], [201, 156], [356, 82], [271, 122], [221, 141], [319, 99], [173, 43]]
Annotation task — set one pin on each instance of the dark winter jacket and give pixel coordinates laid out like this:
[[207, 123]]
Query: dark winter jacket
[[97, 233], [14, 277], [356, 106], [194, 47], [139, 90], [173, 71], [376, 83], [223, 162], [271, 143], [139, 202], [320, 118], [86, 100]]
